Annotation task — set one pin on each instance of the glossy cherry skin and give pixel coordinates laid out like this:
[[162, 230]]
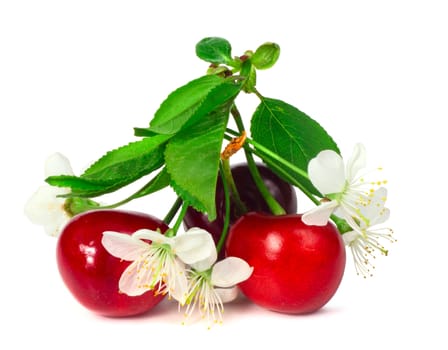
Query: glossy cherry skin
[[91, 273], [297, 268], [282, 191]]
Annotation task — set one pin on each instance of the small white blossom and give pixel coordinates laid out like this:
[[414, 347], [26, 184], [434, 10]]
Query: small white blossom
[[343, 188], [159, 265], [365, 243], [44, 207], [211, 284]]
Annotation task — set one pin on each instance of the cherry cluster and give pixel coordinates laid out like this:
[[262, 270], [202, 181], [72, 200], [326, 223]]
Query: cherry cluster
[[297, 268], [242, 232]]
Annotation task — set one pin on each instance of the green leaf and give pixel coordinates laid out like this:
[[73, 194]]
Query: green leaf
[[159, 182], [130, 161], [116, 169], [192, 159], [214, 50], [221, 95], [144, 132], [291, 134], [193, 100], [81, 187]]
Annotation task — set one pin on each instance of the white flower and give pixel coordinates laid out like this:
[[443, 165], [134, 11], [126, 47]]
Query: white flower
[[45, 207], [211, 284], [343, 189], [159, 265], [365, 243]]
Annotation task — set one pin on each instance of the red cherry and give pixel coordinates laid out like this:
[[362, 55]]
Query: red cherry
[[297, 268], [90, 272]]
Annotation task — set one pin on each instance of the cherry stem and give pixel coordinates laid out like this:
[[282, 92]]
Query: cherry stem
[[180, 218], [263, 152], [257, 93], [225, 227], [341, 224], [274, 160], [289, 178], [228, 179], [272, 203], [173, 211]]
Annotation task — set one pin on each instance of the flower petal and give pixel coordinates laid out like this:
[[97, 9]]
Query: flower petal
[[57, 164], [43, 204], [374, 211], [46, 209], [356, 162], [206, 263], [230, 271], [194, 246], [124, 246], [55, 227], [153, 236], [130, 282], [227, 294], [178, 282], [319, 215], [326, 172], [381, 218], [350, 237]]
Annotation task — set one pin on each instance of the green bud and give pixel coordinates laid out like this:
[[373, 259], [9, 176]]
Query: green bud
[[77, 205], [266, 56]]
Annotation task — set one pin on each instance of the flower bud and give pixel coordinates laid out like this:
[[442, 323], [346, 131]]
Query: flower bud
[[266, 56]]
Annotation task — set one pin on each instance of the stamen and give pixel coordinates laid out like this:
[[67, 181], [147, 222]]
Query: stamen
[[202, 294], [363, 249]]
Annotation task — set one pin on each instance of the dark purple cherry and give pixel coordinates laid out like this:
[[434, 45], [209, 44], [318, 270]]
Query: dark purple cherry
[[282, 191]]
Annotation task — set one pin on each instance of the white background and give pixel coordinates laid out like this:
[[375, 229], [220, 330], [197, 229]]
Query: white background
[[77, 76]]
